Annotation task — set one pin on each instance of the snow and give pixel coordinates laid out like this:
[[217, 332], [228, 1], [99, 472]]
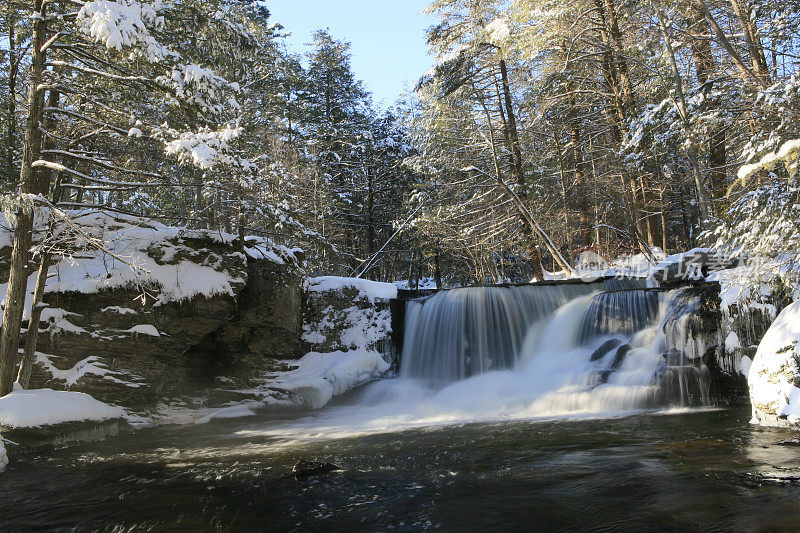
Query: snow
[[685, 258], [40, 407], [127, 261], [118, 24], [355, 327], [591, 266], [372, 290], [744, 365], [422, 284], [119, 310], [204, 149], [732, 342], [312, 382], [319, 377], [498, 31], [776, 369], [70, 377], [58, 319], [144, 329], [28, 299], [242, 410], [788, 154]]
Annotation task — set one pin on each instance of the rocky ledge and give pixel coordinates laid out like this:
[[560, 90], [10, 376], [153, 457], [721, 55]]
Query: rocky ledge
[[160, 311]]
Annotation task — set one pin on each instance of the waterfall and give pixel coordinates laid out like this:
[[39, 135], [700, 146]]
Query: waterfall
[[532, 352], [462, 332], [607, 345]]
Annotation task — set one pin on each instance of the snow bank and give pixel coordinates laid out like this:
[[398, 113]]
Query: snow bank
[[141, 253], [40, 407], [351, 328], [319, 377], [775, 372], [372, 290]]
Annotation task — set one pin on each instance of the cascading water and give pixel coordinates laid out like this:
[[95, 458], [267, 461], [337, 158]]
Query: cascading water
[[462, 332], [530, 352], [578, 349]]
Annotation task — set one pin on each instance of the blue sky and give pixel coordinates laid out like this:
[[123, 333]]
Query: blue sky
[[388, 42]]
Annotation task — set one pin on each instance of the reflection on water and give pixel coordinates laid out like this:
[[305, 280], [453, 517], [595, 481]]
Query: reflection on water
[[705, 470]]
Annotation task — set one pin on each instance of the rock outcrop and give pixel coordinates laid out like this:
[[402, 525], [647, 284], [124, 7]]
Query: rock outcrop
[[159, 311], [346, 314]]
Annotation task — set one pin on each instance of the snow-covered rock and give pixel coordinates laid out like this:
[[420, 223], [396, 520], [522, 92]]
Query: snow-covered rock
[[347, 313], [774, 375]]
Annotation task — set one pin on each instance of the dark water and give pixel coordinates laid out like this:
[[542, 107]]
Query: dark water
[[694, 471]]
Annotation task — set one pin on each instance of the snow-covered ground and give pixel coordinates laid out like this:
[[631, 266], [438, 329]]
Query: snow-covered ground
[[319, 377], [41, 407]]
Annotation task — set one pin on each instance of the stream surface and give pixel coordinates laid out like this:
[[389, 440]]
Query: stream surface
[[692, 470]]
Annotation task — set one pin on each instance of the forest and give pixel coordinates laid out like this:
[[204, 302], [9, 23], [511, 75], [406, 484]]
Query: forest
[[583, 212], [541, 131]]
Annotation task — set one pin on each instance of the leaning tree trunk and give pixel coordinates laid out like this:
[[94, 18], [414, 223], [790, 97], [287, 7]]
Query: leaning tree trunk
[[530, 227], [43, 188], [18, 279]]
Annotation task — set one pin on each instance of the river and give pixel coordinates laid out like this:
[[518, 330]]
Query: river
[[695, 469]]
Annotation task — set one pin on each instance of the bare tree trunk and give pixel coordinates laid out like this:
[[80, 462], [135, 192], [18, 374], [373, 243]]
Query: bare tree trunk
[[437, 270], [619, 55], [702, 194], [584, 217], [32, 336], [752, 41], [705, 66], [663, 222], [18, 279], [370, 218]]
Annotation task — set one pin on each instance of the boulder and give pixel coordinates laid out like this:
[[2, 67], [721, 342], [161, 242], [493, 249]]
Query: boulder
[[694, 265], [774, 376], [342, 314], [303, 469]]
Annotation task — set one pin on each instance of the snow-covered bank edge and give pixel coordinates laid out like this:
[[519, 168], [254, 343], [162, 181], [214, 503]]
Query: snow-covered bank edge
[[347, 324], [309, 382], [46, 414], [3, 456]]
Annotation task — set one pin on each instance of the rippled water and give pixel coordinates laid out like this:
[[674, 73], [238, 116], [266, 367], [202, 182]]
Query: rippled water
[[696, 470]]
